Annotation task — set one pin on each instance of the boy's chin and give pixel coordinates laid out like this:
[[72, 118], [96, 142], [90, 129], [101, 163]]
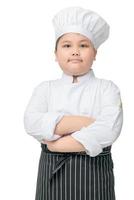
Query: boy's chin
[[75, 73], [78, 73]]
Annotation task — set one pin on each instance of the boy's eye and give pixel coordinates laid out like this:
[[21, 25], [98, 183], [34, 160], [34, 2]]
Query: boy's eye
[[84, 45], [81, 45], [66, 45]]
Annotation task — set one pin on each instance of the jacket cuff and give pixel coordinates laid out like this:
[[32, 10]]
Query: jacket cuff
[[92, 147], [50, 121]]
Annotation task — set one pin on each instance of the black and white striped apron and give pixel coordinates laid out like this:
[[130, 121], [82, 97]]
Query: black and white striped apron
[[75, 176]]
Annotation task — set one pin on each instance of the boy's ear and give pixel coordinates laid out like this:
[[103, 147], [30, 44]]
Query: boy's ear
[[55, 56], [95, 54]]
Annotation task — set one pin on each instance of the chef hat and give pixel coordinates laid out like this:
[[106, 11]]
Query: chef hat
[[83, 21]]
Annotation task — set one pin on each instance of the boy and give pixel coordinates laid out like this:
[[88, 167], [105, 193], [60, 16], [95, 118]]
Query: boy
[[77, 117]]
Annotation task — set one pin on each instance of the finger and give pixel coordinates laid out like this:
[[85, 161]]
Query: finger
[[45, 142]]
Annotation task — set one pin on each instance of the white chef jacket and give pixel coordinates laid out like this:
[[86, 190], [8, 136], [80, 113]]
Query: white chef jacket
[[90, 96]]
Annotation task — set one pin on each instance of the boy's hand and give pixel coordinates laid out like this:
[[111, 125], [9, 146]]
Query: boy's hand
[[51, 145]]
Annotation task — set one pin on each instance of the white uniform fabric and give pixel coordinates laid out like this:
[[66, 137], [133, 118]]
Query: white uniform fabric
[[83, 21], [90, 96]]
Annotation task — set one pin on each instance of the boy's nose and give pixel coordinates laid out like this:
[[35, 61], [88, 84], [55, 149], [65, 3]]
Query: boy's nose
[[75, 52]]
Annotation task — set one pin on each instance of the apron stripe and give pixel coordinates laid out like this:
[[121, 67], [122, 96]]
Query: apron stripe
[[75, 176]]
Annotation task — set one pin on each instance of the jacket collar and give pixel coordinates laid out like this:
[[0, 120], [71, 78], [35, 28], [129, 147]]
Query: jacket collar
[[69, 79]]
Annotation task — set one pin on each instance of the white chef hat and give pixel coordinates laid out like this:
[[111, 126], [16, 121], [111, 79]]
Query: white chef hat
[[83, 21]]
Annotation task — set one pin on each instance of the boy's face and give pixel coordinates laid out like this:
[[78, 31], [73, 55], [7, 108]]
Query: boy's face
[[75, 54]]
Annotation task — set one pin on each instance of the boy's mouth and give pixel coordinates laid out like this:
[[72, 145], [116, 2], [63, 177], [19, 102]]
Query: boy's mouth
[[74, 60]]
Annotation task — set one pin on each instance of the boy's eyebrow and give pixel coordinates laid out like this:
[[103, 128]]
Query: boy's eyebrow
[[84, 40], [65, 41]]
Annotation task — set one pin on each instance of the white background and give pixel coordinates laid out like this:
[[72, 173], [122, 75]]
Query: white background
[[27, 58]]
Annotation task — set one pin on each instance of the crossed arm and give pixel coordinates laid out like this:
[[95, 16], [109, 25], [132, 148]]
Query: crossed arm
[[66, 126]]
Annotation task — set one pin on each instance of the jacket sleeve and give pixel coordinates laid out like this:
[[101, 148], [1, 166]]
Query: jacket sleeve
[[38, 122], [107, 127]]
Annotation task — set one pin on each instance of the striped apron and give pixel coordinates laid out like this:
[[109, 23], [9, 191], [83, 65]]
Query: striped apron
[[75, 176]]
